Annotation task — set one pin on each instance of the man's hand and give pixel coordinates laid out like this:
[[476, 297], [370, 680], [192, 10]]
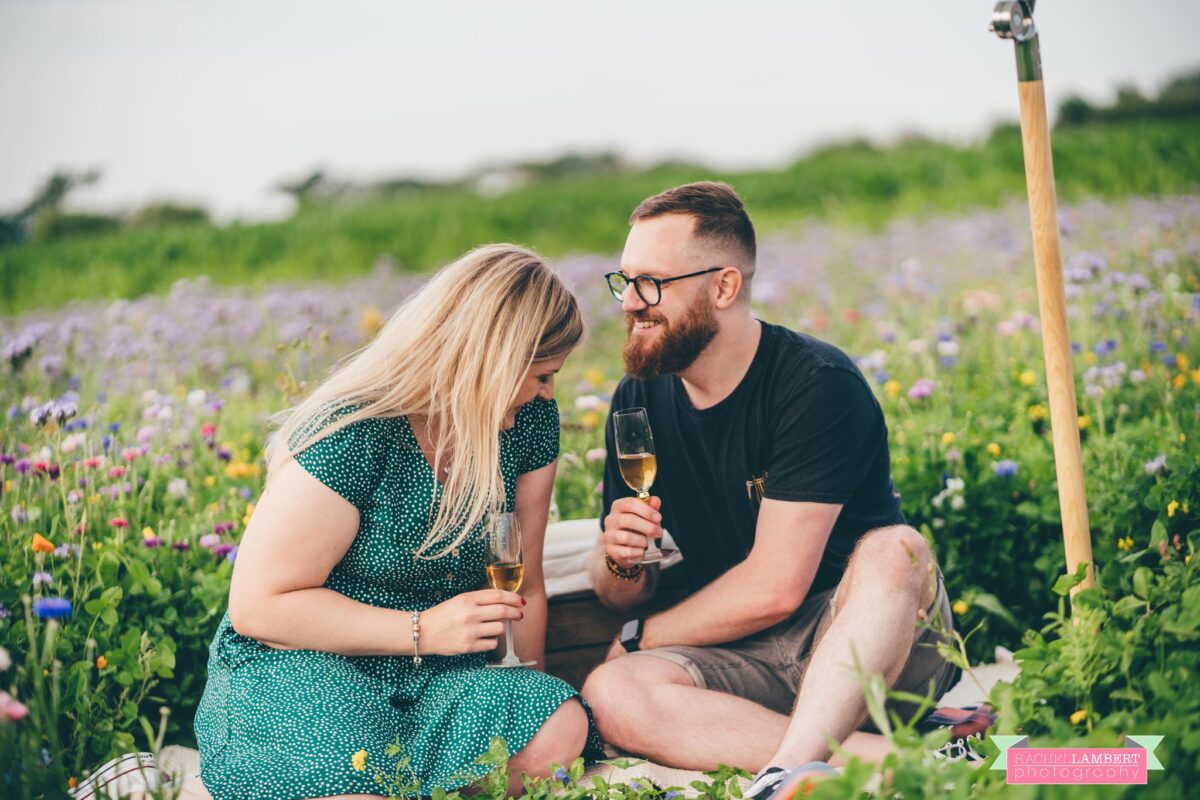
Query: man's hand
[[628, 529], [616, 651]]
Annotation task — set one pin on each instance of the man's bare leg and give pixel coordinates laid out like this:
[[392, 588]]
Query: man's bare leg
[[650, 706], [889, 580]]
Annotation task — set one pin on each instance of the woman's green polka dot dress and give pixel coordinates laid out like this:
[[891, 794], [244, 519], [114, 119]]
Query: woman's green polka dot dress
[[285, 723]]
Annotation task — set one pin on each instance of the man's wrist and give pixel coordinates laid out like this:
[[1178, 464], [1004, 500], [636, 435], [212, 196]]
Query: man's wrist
[[625, 574]]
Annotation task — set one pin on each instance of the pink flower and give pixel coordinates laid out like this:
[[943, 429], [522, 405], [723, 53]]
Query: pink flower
[[210, 540], [117, 472], [130, 454], [596, 454], [12, 709], [95, 461], [209, 430], [119, 522]]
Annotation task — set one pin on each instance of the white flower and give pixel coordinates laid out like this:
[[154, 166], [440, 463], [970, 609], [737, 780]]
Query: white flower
[[918, 346], [948, 348], [957, 502], [178, 488], [196, 397], [5, 660], [589, 402], [955, 484], [72, 442]]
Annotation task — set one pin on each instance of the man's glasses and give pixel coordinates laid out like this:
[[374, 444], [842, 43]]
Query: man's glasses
[[647, 287]]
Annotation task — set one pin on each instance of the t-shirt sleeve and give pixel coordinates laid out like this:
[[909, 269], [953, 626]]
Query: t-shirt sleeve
[[351, 461], [827, 437], [539, 424]]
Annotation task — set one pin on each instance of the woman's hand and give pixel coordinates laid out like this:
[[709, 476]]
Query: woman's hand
[[472, 622]]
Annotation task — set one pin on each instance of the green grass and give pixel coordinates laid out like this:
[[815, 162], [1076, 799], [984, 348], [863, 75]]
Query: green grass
[[853, 183]]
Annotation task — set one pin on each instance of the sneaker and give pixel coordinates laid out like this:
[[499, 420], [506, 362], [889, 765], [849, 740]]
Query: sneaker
[[777, 783], [957, 750]]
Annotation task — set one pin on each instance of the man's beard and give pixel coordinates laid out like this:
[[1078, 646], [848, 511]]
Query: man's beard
[[676, 348]]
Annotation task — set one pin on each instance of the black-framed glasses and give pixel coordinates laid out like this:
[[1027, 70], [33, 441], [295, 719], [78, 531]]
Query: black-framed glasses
[[647, 287]]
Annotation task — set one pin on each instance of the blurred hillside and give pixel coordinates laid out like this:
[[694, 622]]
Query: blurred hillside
[[578, 202]]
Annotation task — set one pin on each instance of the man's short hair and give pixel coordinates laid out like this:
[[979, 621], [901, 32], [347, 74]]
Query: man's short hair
[[719, 213]]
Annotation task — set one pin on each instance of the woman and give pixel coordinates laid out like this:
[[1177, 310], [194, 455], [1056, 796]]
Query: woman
[[355, 614]]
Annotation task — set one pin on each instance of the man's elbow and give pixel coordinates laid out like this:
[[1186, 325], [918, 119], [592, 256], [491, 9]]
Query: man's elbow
[[779, 603]]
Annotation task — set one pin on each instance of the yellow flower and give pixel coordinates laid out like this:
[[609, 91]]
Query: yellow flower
[[1172, 507], [593, 376], [901, 437], [1079, 716], [8, 486], [892, 388], [591, 419], [1196, 376], [101, 662], [993, 450], [210, 481], [1181, 361], [959, 607], [1182, 438], [947, 438], [41, 544], [147, 532], [1089, 357], [240, 469], [359, 760], [372, 321], [249, 513], [1084, 422], [1028, 378], [1179, 381], [1125, 544], [94, 499], [97, 545], [1037, 411]]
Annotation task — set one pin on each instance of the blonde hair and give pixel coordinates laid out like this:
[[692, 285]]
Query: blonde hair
[[455, 353]]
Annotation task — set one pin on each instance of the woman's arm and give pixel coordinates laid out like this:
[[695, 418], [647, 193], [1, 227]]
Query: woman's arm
[[300, 530], [532, 508]]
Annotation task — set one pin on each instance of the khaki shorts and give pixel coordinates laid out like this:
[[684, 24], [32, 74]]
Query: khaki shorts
[[769, 666]]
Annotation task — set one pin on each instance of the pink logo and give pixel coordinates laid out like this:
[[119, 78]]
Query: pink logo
[[1077, 765]]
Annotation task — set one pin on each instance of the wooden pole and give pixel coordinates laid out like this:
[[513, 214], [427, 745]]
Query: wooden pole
[[1015, 20]]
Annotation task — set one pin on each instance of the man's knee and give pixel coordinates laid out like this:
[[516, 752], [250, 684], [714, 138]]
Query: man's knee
[[897, 556], [621, 693]]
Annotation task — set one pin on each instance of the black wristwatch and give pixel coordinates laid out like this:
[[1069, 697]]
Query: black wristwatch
[[631, 635]]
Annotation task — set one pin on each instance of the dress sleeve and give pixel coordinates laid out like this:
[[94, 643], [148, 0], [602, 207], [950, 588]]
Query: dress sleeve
[[351, 461], [826, 438], [541, 429]]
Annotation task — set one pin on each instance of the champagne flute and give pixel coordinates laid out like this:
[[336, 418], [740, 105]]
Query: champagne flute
[[505, 569], [638, 464]]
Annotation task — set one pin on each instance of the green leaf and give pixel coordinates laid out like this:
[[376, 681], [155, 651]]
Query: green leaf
[[1141, 582], [993, 606], [1128, 606], [1158, 533], [1066, 583]]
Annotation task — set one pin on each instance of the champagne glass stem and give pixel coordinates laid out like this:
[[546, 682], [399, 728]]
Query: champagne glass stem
[[510, 654], [652, 549]]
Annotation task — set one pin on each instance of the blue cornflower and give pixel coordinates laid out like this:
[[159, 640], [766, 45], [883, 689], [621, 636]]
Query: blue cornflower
[[52, 607], [114, 426], [1006, 468], [560, 774], [1169, 361], [1157, 346]]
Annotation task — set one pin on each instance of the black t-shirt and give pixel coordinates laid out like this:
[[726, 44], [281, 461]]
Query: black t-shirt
[[803, 416]]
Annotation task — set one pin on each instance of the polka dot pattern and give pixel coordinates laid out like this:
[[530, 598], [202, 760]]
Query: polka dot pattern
[[276, 724]]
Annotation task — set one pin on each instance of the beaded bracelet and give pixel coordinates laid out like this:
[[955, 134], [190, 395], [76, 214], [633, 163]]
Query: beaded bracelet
[[623, 573], [416, 638]]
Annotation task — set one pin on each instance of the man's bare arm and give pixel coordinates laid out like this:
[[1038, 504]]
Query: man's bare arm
[[764, 589]]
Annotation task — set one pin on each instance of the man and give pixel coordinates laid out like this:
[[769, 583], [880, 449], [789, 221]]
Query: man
[[774, 479]]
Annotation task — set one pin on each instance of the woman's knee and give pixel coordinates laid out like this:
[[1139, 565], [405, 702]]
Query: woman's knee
[[560, 740]]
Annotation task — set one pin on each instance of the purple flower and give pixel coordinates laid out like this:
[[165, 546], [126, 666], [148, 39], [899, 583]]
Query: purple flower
[[921, 389], [52, 607], [4, 612], [1169, 361], [1006, 468], [1156, 464], [232, 554], [42, 577], [210, 540], [19, 515], [66, 549], [222, 550], [23, 465], [151, 541], [245, 493], [182, 544], [560, 774], [671, 795], [224, 454]]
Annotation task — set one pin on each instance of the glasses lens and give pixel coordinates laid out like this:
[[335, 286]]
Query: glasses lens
[[648, 289], [617, 284]]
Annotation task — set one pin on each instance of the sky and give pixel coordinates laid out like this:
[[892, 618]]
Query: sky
[[215, 102]]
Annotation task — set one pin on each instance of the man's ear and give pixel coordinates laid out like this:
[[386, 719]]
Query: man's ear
[[729, 287]]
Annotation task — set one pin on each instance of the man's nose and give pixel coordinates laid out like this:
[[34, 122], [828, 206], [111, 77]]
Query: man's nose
[[632, 301]]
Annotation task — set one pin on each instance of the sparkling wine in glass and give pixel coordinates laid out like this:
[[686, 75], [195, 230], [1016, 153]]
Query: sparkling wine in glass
[[505, 569], [638, 464]]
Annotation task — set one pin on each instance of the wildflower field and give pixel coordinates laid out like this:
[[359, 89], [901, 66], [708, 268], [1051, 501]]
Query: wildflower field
[[130, 460]]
